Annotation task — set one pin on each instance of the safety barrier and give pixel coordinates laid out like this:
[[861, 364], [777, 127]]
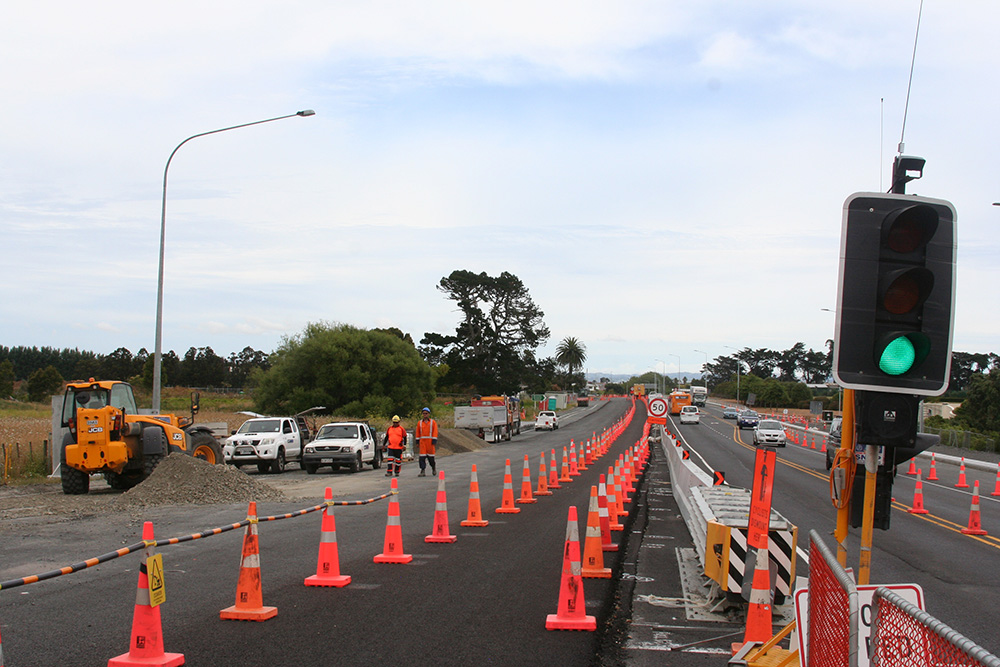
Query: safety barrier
[[833, 610], [903, 635]]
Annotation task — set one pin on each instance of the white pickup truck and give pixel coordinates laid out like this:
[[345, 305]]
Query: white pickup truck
[[350, 444], [547, 419], [268, 442]]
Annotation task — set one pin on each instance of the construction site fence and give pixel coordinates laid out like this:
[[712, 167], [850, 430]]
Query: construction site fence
[[132, 548], [964, 439], [903, 635], [833, 610]]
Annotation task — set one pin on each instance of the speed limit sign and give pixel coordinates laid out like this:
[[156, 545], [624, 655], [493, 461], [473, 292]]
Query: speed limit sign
[[658, 407]]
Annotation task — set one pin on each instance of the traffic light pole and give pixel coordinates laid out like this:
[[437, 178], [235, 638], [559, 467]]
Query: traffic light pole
[[868, 520], [847, 445]]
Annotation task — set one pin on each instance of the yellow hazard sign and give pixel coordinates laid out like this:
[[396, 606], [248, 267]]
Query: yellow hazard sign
[[154, 574]]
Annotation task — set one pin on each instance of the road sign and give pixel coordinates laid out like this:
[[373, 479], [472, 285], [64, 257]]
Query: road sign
[[658, 407]]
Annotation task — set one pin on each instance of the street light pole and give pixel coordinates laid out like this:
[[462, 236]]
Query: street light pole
[[157, 354], [705, 369]]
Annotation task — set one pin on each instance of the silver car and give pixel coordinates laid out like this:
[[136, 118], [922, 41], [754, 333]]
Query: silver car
[[769, 432]]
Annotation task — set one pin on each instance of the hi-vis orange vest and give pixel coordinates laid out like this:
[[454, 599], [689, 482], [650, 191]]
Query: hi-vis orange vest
[[425, 433], [396, 436]]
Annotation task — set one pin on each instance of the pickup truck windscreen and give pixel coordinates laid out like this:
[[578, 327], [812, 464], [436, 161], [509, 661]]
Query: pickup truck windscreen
[[338, 431], [263, 426]]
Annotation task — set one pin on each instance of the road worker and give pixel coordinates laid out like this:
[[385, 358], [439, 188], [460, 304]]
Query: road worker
[[426, 436], [395, 441]]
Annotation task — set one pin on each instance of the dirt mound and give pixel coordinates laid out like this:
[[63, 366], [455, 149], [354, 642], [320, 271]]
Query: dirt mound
[[181, 479], [458, 441]]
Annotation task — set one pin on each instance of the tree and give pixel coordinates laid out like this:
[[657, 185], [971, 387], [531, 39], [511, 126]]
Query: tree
[[242, 364], [43, 383], [6, 379], [981, 408], [571, 353], [349, 371], [496, 340], [202, 367]]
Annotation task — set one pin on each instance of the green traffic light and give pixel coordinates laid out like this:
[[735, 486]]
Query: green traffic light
[[898, 356]]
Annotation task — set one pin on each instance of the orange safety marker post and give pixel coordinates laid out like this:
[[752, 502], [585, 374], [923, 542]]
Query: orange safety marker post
[[553, 475], [593, 553], [996, 490], [249, 598], [571, 613], [543, 486], [573, 469], [526, 496], [440, 533], [975, 522], [918, 497], [604, 516], [507, 501], [328, 564], [564, 476], [146, 642], [475, 516], [392, 551], [932, 476], [961, 476]]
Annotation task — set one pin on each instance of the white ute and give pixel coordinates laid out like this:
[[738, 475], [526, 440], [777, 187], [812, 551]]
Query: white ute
[[546, 419], [350, 444], [268, 442]]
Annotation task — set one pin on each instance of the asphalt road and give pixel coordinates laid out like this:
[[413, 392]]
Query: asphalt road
[[481, 600], [959, 574]]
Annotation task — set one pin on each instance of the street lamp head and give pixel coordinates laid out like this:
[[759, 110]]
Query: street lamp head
[[305, 112]]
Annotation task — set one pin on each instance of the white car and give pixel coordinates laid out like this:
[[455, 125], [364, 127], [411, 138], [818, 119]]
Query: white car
[[690, 415], [349, 444], [769, 432], [546, 419]]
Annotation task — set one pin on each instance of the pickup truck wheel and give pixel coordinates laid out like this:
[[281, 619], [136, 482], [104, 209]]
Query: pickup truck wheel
[[263, 467], [310, 468], [278, 464], [356, 463], [206, 447], [377, 459], [74, 482]]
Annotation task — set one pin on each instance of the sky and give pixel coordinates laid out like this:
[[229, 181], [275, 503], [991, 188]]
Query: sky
[[666, 178]]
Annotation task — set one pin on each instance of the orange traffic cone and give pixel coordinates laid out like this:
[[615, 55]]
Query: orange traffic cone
[[146, 643], [823, 448], [759, 626], [440, 532], [553, 475], [613, 504], [602, 511], [932, 476], [564, 473], [574, 470], [918, 497], [507, 501], [572, 609], [593, 553], [975, 524], [913, 467], [961, 476], [581, 457], [392, 551], [328, 565], [249, 598], [526, 497], [475, 516], [543, 486], [996, 490]]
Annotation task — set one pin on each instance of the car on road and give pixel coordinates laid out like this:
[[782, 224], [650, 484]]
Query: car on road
[[350, 444], [730, 413], [690, 415], [833, 441], [547, 419], [747, 419], [769, 432]]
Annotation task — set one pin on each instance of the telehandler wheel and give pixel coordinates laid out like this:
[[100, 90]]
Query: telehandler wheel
[[149, 464], [74, 482], [207, 448]]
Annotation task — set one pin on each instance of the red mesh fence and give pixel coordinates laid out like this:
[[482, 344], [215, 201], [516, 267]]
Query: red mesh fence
[[830, 639], [905, 636]]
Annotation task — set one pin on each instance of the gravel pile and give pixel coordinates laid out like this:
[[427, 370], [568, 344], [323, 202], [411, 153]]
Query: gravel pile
[[180, 479]]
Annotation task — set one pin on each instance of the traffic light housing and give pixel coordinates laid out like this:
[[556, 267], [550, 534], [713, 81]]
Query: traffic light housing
[[896, 294]]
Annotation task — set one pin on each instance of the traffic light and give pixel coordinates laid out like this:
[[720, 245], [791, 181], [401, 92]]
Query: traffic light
[[896, 294]]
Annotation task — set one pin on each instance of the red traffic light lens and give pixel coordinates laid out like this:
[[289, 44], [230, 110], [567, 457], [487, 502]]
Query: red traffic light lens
[[911, 229]]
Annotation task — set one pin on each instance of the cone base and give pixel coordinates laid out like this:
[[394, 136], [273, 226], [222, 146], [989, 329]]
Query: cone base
[[917, 511], [441, 539], [609, 547], [164, 660], [596, 573], [337, 581], [236, 614], [474, 524], [525, 501], [557, 486], [508, 510], [549, 493], [935, 478], [388, 558], [553, 622], [962, 486], [617, 526], [974, 531]]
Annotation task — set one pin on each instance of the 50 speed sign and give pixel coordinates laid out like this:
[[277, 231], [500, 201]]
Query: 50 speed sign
[[658, 407]]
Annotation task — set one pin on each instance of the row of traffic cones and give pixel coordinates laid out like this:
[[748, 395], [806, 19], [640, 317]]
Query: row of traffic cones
[[975, 526], [146, 645]]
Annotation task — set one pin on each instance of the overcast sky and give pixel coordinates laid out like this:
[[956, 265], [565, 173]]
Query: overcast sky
[[663, 176]]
